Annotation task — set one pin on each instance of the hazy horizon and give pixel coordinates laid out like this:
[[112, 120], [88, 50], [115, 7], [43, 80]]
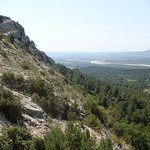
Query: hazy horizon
[[95, 51], [83, 26]]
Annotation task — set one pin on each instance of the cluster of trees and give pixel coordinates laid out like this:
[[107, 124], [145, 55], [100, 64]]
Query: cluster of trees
[[127, 112], [137, 79], [111, 104], [136, 134], [71, 139], [42, 93]]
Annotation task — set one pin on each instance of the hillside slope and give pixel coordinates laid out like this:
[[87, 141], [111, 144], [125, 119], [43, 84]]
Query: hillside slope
[[33, 96]]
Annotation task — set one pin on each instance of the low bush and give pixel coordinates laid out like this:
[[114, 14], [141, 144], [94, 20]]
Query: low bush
[[10, 106], [20, 83], [3, 53], [14, 81], [25, 65], [92, 121], [8, 78], [71, 139], [15, 138], [106, 144]]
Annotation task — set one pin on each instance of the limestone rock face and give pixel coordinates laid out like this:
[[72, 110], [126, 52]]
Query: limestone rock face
[[15, 32], [34, 117]]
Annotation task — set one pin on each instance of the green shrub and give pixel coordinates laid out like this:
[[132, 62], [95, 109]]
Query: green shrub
[[37, 144], [54, 140], [92, 121], [105, 144], [133, 134], [15, 82], [51, 71], [43, 73], [120, 128], [20, 82], [40, 87], [8, 78], [75, 139], [1, 36], [73, 112], [10, 106], [71, 116], [3, 53], [6, 43], [25, 65], [15, 138], [71, 139], [20, 138]]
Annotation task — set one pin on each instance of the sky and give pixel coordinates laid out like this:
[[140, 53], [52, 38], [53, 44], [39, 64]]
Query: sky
[[83, 25]]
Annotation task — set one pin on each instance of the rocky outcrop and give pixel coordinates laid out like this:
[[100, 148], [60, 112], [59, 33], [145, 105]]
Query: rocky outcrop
[[34, 117], [16, 34]]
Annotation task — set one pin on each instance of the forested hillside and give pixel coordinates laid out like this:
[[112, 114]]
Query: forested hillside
[[138, 79], [125, 111]]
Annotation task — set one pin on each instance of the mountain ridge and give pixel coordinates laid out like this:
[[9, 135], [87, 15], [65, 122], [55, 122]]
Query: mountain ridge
[[16, 35]]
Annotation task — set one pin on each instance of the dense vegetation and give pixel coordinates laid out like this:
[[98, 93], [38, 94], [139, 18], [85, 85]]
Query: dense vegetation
[[72, 139], [126, 111], [10, 106], [40, 91], [138, 79]]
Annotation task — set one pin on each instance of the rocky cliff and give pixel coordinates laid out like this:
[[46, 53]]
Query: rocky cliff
[[16, 35]]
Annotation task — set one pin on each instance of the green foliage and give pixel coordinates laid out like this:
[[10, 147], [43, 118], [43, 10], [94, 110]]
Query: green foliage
[[75, 139], [25, 65], [37, 144], [1, 36], [71, 116], [134, 134], [72, 139], [6, 43], [41, 91], [92, 121], [10, 106], [130, 78], [3, 53], [8, 78], [119, 128], [43, 73], [20, 82], [120, 104], [14, 81], [54, 139], [105, 144], [91, 105], [15, 138], [39, 86], [73, 112]]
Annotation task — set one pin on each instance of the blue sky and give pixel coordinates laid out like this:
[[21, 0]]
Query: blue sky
[[83, 25]]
